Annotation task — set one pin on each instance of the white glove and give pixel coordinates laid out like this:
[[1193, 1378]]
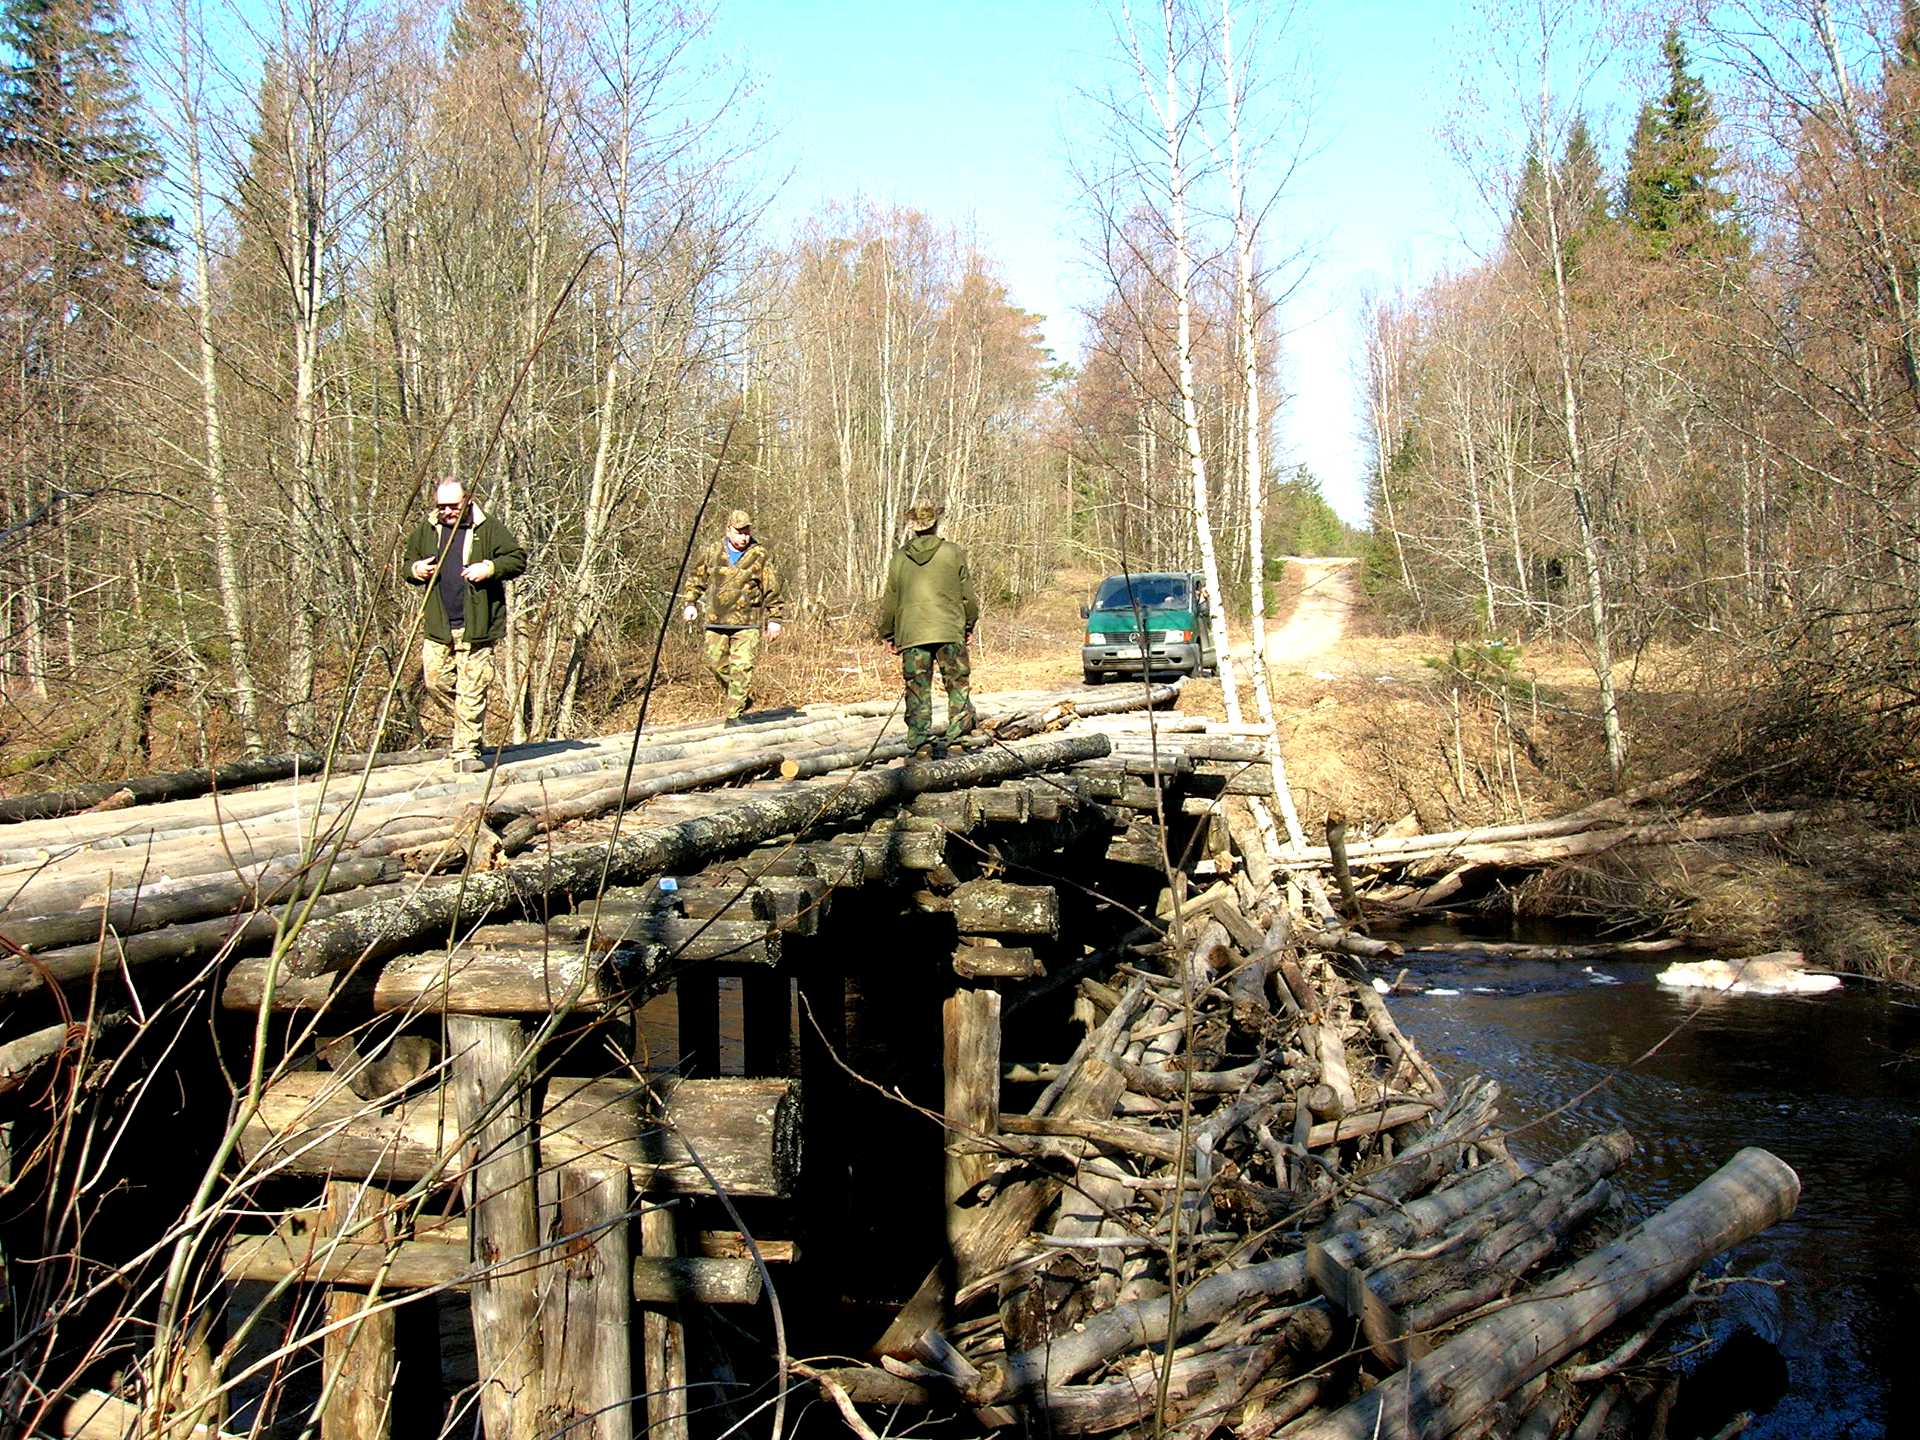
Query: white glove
[[692, 612], [773, 629]]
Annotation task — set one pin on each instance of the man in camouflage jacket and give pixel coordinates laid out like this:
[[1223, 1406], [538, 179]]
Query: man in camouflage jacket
[[927, 615], [737, 575]]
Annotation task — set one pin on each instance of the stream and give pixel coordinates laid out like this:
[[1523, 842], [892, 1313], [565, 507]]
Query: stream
[[1830, 1084]]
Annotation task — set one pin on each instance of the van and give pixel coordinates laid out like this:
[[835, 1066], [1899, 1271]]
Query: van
[[1158, 622]]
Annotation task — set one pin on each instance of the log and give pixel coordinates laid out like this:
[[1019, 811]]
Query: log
[[1212, 1379], [1054, 714], [1436, 1395], [358, 1359], [989, 961], [442, 1263], [663, 1339], [522, 832], [476, 979], [585, 1302], [1587, 841], [197, 941], [135, 909], [745, 1131], [994, 907], [188, 784], [1508, 950], [658, 944], [411, 923], [970, 1030], [1144, 1322], [493, 1114]]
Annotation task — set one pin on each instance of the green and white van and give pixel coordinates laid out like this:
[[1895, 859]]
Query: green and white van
[[1155, 621]]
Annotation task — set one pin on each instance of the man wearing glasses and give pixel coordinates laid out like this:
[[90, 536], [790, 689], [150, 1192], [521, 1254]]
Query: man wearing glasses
[[465, 557], [738, 577]]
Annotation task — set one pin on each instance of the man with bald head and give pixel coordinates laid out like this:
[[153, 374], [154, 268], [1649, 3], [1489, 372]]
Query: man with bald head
[[464, 557]]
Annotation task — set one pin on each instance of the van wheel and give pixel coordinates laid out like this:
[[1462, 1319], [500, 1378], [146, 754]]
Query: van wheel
[[1092, 677]]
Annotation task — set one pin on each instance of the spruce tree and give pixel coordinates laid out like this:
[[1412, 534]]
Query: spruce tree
[[69, 133], [1673, 198], [1580, 197]]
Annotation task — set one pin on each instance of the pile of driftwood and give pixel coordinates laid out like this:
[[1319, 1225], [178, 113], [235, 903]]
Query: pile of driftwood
[[1247, 1204]]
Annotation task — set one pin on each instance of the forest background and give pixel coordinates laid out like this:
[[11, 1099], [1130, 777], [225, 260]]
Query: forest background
[[266, 276]]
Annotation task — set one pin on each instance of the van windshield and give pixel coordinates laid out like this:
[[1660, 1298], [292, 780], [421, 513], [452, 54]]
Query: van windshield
[[1151, 592]]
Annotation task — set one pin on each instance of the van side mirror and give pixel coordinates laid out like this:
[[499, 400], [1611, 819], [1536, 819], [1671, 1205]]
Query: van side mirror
[[1086, 611]]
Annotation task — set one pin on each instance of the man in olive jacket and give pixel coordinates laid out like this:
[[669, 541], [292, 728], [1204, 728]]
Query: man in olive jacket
[[927, 615], [737, 575], [464, 557]]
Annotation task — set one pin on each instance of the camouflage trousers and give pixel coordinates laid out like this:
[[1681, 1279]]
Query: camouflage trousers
[[458, 677], [917, 663], [731, 658]]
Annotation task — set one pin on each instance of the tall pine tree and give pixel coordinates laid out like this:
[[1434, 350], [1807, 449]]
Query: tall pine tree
[[73, 155], [1673, 198]]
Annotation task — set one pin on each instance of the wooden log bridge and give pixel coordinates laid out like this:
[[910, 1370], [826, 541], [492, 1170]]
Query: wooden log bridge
[[968, 1063]]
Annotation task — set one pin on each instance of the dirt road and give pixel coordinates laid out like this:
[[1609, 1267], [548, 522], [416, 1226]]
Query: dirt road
[[1319, 619]]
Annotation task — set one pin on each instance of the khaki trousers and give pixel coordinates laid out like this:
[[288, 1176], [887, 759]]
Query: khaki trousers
[[458, 678]]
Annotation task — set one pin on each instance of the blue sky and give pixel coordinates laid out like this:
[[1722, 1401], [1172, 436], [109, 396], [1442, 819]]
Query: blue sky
[[968, 111]]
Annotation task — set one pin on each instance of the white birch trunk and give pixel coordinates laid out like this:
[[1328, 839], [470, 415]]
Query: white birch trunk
[[1254, 460]]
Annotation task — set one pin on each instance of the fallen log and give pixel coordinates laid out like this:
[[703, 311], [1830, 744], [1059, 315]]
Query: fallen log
[[1566, 846], [1511, 950], [1438, 1394]]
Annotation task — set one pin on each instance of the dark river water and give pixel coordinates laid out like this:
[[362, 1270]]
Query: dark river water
[[1830, 1084]]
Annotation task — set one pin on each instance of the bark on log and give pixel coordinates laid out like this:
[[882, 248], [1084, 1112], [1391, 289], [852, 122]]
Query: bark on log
[[413, 923], [994, 907], [1438, 1394], [187, 784], [745, 1132]]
